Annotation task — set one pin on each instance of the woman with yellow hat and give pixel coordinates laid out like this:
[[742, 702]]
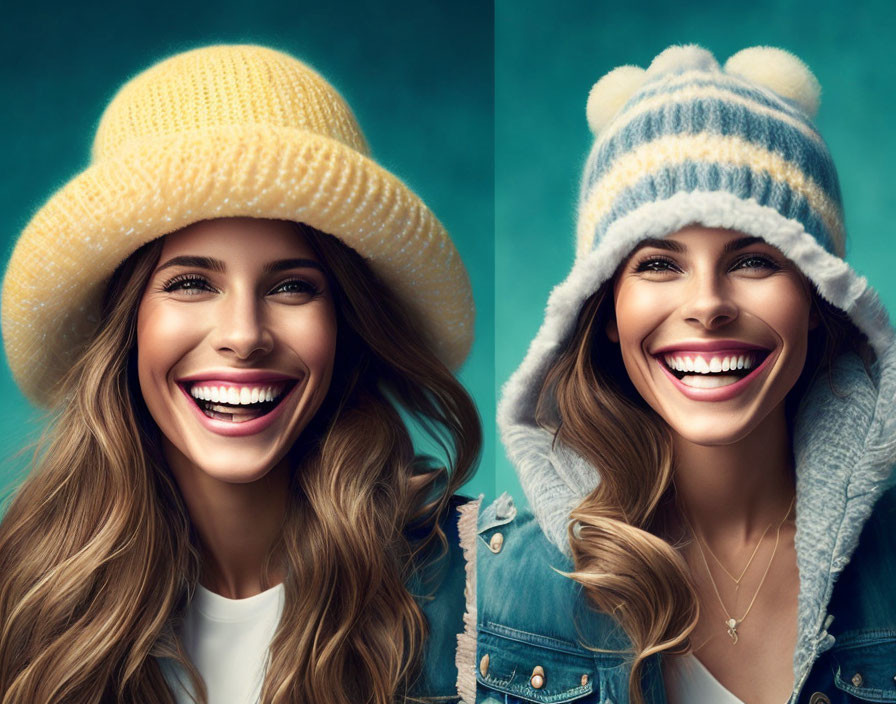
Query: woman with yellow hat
[[231, 312]]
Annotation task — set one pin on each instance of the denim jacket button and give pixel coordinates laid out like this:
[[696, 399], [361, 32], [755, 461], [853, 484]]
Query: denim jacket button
[[857, 679], [584, 680], [496, 543], [483, 665], [537, 679], [819, 698]]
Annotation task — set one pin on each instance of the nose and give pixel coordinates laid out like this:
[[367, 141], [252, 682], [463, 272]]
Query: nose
[[240, 326], [709, 302]]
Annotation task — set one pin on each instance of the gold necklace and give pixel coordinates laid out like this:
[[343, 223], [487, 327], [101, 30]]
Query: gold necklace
[[732, 623], [737, 579]]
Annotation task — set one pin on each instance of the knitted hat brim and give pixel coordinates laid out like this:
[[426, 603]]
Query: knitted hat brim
[[58, 271]]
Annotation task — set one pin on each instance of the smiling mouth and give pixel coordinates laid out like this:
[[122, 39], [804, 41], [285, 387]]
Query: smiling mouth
[[238, 403], [702, 370]]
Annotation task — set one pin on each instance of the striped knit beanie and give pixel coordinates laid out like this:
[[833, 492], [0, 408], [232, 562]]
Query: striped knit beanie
[[688, 142], [687, 126]]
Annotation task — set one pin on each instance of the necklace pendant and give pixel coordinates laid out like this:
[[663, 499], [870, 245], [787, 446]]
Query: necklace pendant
[[732, 629]]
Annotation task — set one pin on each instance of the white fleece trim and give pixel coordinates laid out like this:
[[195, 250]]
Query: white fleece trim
[[465, 657]]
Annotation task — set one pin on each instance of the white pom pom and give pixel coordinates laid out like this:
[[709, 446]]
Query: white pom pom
[[610, 93], [676, 59], [780, 71]]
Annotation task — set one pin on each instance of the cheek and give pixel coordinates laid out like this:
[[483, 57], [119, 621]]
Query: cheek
[[638, 312], [782, 305], [312, 335], [791, 320], [162, 337], [785, 308]]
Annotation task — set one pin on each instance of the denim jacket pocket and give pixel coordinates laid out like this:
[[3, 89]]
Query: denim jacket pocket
[[532, 668], [865, 665]]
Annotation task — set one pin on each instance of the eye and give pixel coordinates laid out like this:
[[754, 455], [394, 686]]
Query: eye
[[755, 262], [656, 264], [298, 287], [190, 284]]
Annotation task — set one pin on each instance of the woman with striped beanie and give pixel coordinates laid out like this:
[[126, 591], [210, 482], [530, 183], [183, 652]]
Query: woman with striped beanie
[[233, 314], [705, 424]]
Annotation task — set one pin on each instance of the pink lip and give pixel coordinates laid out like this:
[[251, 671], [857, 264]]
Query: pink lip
[[722, 393], [250, 427]]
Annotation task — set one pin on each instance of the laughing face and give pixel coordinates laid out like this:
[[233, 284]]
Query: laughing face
[[712, 326], [236, 336]]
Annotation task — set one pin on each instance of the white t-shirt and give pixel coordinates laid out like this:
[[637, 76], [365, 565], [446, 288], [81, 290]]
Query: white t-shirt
[[689, 682], [228, 640]]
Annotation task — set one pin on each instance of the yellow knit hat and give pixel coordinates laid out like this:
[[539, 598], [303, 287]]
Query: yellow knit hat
[[218, 132]]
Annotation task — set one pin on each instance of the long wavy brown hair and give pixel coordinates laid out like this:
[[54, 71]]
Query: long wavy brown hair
[[621, 548], [98, 557]]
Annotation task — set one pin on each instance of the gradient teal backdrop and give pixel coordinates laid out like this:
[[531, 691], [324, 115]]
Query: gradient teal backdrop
[[424, 79], [417, 75], [549, 54]]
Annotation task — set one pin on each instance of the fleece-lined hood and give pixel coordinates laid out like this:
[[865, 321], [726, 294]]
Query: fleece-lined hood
[[687, 142]]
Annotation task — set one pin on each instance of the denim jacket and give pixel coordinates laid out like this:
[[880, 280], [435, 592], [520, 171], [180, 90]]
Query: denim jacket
[[532, 616], [534, 623]]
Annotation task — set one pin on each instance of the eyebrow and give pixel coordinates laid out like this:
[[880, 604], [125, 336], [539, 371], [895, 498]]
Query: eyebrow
[[219, 266], [657, 243], [742, 242], [678, 247]]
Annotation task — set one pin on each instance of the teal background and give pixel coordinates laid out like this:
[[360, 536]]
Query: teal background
[[437, 87], [418, 76], [549, 54]]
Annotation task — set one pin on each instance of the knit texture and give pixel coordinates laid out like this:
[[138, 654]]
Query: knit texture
[[221, 131], [689, 126], [688, 143]]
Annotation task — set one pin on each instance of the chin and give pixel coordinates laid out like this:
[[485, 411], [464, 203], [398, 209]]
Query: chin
[[228, 464], [236, 474], [716, 430]]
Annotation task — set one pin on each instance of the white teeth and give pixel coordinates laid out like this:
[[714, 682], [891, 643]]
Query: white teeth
[[237, 396], [712, 365]]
